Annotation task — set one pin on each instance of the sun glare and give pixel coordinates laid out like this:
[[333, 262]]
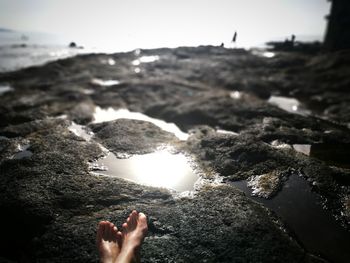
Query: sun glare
[[159, 169]]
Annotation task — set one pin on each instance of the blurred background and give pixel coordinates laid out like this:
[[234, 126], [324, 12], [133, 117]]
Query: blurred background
[[46, 27], [249, 94]]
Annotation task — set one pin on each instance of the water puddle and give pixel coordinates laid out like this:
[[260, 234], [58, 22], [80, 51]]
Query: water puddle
[[159, 169], [288, 104], [5, 88], [110, 114], [301, 210], [302, 148], [235, 95], [3, 145], [263, 53], [227, 132], [144, 59], [336, 154], [268, 54], [59, 53], [88, 91], [80, 131], [22, 152], [137, 52], [109, 61], [244, 96], [104, 83]]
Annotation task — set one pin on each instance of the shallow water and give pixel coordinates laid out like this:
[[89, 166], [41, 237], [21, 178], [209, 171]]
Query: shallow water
[[109, 114], [144, 59], [301, 210], [22, 155], [17, 57], [80, 131], [109, 61], [159, 169], [227, 132], [288, 104], [104, 83], [23, 152], [235, 94], [336, 154], [263, 53], [302, 148], [5, 88]]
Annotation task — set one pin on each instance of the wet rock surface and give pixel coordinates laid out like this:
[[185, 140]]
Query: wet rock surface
[[46, 183], [125, 136], [265, 185]]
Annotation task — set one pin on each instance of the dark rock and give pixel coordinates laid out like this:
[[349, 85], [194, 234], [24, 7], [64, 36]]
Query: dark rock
[[304, 47], [338, 34], [226, 233], [239, 157], [131, 136], [62, 203], [57, 199], [83, 112], [72, 45]]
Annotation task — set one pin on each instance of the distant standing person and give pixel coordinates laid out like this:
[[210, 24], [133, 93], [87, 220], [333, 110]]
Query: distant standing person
[[292, 39], [234, 39]]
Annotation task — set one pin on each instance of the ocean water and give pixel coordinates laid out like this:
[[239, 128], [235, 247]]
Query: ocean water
[[20, 50], [23, 49]]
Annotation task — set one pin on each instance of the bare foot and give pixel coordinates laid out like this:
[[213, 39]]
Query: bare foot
[[108, 241], [134, 231]]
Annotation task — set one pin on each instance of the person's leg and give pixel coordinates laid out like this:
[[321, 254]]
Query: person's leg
[[108, 240], [134, 232]]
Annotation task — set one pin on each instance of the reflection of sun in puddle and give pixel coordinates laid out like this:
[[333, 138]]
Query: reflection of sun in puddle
[[288, 104], [263, 53], [104, 83], [79, 130], [144, 59], [227, 132], [102, 115], [22, 151], [109, 61], [159, 169], [302, 148], [5, 88], [268, 54], [137, 52], [235, 95]]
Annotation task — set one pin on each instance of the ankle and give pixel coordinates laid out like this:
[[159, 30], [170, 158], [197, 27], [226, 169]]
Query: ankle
[[129, 253], [133, 248]]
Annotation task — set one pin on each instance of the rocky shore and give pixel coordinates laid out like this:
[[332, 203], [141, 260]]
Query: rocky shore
[[234, 106]]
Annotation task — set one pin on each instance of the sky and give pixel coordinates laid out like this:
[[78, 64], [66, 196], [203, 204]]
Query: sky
[[170, 23]]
